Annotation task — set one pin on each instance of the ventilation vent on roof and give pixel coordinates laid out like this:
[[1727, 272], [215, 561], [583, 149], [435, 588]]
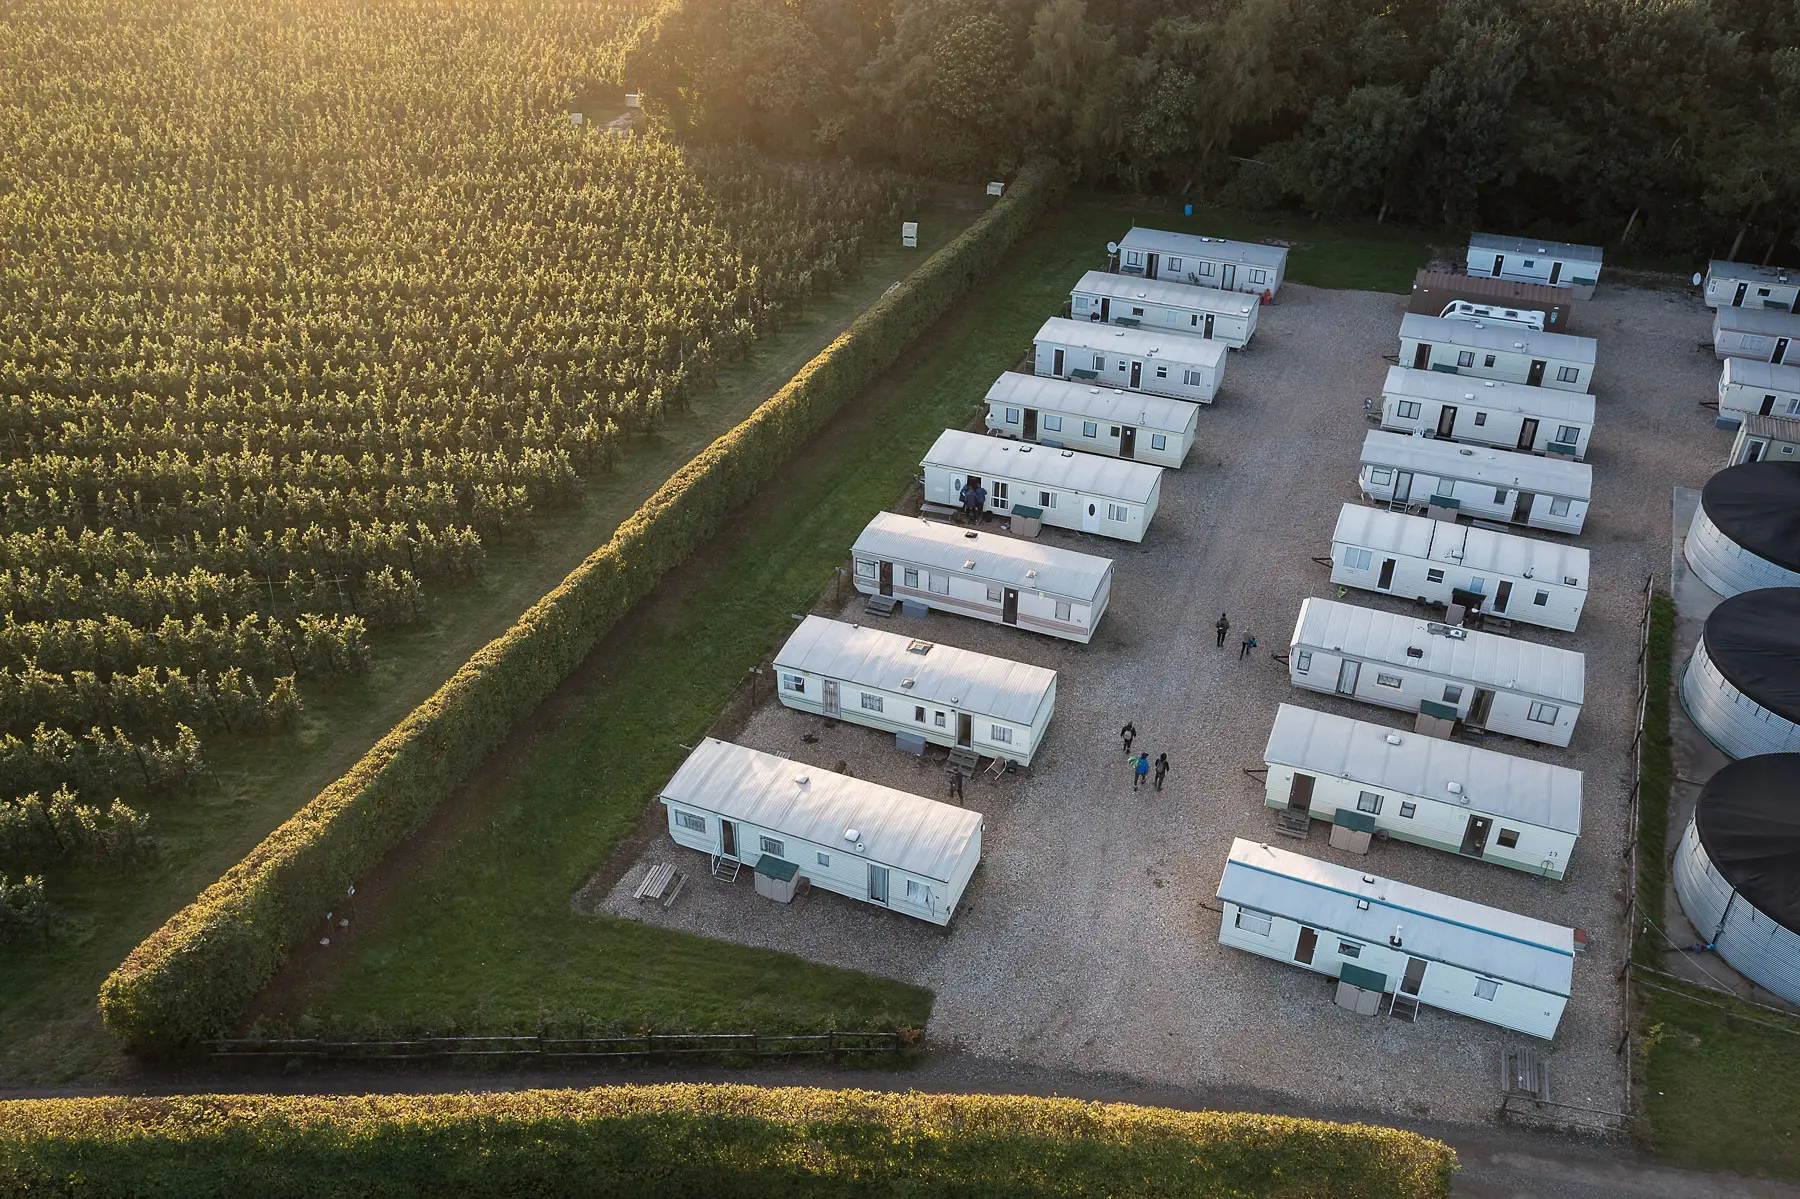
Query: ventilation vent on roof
[[1368, 878], [1068, 453], [1527, 572], [971, 534], [1031, 574], [852, 836], [968, 564], [1455, 788], [1518, 345], [1467, 453], [1413, 651], [916, 646], [1024, 449], [802, 779], [1093, 391], [1445, 630], [1393, 738], [906, 684], [1456, 555], [1489, 383], [1570, 580]]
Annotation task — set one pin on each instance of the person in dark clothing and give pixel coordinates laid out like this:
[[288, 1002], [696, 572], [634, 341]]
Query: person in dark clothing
[[1140, 767], [1128, 734], [1249, 644], [1224, 627], [1162, 768], [956, 784], [980, 502]]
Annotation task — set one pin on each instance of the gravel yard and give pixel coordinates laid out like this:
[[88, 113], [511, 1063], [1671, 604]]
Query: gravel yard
[[1087, 940]]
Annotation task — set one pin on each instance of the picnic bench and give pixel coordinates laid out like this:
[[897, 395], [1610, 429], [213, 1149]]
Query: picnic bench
[[663, 882]]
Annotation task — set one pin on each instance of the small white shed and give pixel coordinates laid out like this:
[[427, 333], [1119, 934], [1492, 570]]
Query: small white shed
[[1440, 562], [1751, 388], [1068, 413], [1742, 683], [947, 696], [1226, 316], [1443, 794], [1509, 416], [1745, 533], [1745, 285], [1085, 492], [985, 575], [1556, 263], [1165, 364], [889, 848], [1504, 352], [1420, 947], [1765, 439], [1441, 476], [1759, 334], [1486, 681], [1203, 261]]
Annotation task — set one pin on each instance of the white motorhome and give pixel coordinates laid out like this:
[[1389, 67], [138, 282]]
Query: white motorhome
[[1507, 353], [1459, 480], [1153, 304], [1759, 334], [1526, 260], [1751, 388], [1745, 285], [1203, 261], [1165, 364], [1066, 413], [1508, 416], [1084, 492]]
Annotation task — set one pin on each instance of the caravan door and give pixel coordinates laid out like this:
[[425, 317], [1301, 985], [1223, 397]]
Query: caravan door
[[1056, 364], [1498, 260], [1209, 326], [887, 578], [1403, 486], [878, 883], [1387, 574], [1536, 377], [1475, 836], [1528, 433], [1781, 349], [1522, 508], [1422, 357], [1009, 607], [1737, 301], [1031, 424], [1137, 375], [1090, 518], [1446, 426], [1128, 437], [831, 697], [1555, 273], [1228, 276], [1347, 672]]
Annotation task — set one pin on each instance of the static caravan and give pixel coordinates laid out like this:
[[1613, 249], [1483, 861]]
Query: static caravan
[[1085, 492], [1203, 261], [1491, 301], [1507, 353], [1510, 416], [1746, 529], [789, 820], [1488, 682], [1765, 439], [1226, 316], [915, 689], [1164, 364], [1759, 334], [1380, 938], [1440, 562], [1460, 480], [1067, 413], [1442, 794], [1003, 579], [1742, 682], [1554, 263], [1743, 285], [1751, 388]]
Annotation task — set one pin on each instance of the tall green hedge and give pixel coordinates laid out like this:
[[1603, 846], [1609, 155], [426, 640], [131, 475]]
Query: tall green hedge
[[195, 976], [683, 1141]]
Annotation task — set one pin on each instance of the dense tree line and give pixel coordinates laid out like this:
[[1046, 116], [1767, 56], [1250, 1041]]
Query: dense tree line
[[1673, 119]]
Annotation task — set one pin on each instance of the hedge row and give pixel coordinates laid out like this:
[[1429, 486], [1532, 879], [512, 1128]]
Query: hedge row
[[195, 976], [693, 1140]]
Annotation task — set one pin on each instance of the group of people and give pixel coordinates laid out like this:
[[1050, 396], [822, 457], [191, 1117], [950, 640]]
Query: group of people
[[1224, 627], [1140, 763], [974, 500]]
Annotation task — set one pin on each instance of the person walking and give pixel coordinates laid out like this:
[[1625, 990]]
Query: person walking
[[1140, 768], [1249, 644], [956, 784], [980, 502], [1128, 734], [1162, 768], [1224, 627]]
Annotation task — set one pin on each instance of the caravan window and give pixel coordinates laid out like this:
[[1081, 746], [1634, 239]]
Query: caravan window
[[1046, 499], [1388, 680], [793, 682], [1192, 379], [1369, 802], [919, 714], [871, 703], [1567, 435], [1175, 265], [1063, 610], [1481, 418], [999, 734], [1303, 661], [1162, 372], [1139, 312], [1544, 713], [1434, 576], [691, 820], [910, 576], [1489, 361], [993, 595], [917, 892], [1381, 476], [771, 845], [1356, 558], [1407, 409], [1250, 922], [1349, 949], [1158, 441], [1509, 838], [1541, 599], [1486, 988], [866, 568], [1466, 358], [938, 583], [824, 858], [1407, 810], [1118, 512], [1559, 507], [1099, 362], [937, 718], [1089, 429], [1452, 693], [1012, 416], [1259, 276], [1206, 269], [1567, 374], [1053, 424], [1135, 258], [1500, 494]]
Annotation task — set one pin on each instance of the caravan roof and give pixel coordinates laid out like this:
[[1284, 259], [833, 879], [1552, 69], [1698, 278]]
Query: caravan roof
[[1749, 372], [1138, 408], [1750, 272], [1490, 393], [1510, 338], [1166, 292], [914, 834], [1496, 468], [1022, 564], [1162, 241], [1465, 545], [1567, 251], [1134, 343], [1771, 322], [1089, 474]]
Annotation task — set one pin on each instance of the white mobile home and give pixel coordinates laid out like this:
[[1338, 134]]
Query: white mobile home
[[1441, 476], [1164, 364], [1765, 439], [1375, 934], [1743, 285], [947, 696], [1742, 682], [1751, 388], [1443, 794], [1003, 579], [1085, 492], [1203, 261], [1556, 263], [1509, 416], [1440, 562], [1745, 534], [1759, 334], [1067, 413], [1226, 316], [886, 847], [1498, 684], [1504, 352]]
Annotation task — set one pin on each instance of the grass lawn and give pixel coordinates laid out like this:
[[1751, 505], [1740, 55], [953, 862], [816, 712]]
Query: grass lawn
[[477, 932], [49, 1028]]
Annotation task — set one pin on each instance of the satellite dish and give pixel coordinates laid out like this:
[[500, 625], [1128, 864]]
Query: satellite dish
[[1696, 278], [1112, 247]]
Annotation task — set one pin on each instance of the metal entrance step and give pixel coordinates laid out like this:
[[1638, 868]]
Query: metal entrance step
[[880, 605], [1292, 822], [1404, 1007], [726, 869]]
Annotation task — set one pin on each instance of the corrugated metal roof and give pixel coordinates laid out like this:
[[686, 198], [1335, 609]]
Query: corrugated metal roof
[[1500, 784], [1093, 401], [1775, 428], [1219, 249], [1770, 322], [1439, 387], [1750, 272], [1563, 347], [1443, 928], [1165, 292], [1567, 251], [1464, 545], [1379, 529], [1535, 296], [1134, 343], [1026, 565], [1485, 659], [942, 674], [1478, 464], [1748, 372], [1088, 474], [905, 831]]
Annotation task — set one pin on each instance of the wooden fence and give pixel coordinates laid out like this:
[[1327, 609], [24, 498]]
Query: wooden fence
[[649, 1046], [1631, 832]]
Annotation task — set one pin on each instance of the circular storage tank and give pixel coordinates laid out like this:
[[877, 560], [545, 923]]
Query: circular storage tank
[[1742, 684], [1746, 531], [1737, 870]]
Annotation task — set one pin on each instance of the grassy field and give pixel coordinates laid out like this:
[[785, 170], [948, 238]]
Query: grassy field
[[477, 931]]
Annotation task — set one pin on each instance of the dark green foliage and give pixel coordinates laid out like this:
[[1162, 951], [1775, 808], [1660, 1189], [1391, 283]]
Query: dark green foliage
[[24, 912]]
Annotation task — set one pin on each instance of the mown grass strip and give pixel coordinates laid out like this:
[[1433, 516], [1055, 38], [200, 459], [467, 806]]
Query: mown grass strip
[[1656, 771]]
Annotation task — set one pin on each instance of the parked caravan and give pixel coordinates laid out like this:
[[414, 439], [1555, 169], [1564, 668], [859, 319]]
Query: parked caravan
[[1151, 304], [1382, 939], [1751, 388], [1203, 261], [1523, 259], [916, 689], [1068, 413], [1765, 439], [1509, 354], [789, 821], [1459, 480], [1742, 682], [1164, 364], [1084, 492], [1744, 285], [1491, 301], [1745, 534], [985, 575], [1464, 800], [1498, 684], [1441, 563], [1759, 334], [1508, 416]]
